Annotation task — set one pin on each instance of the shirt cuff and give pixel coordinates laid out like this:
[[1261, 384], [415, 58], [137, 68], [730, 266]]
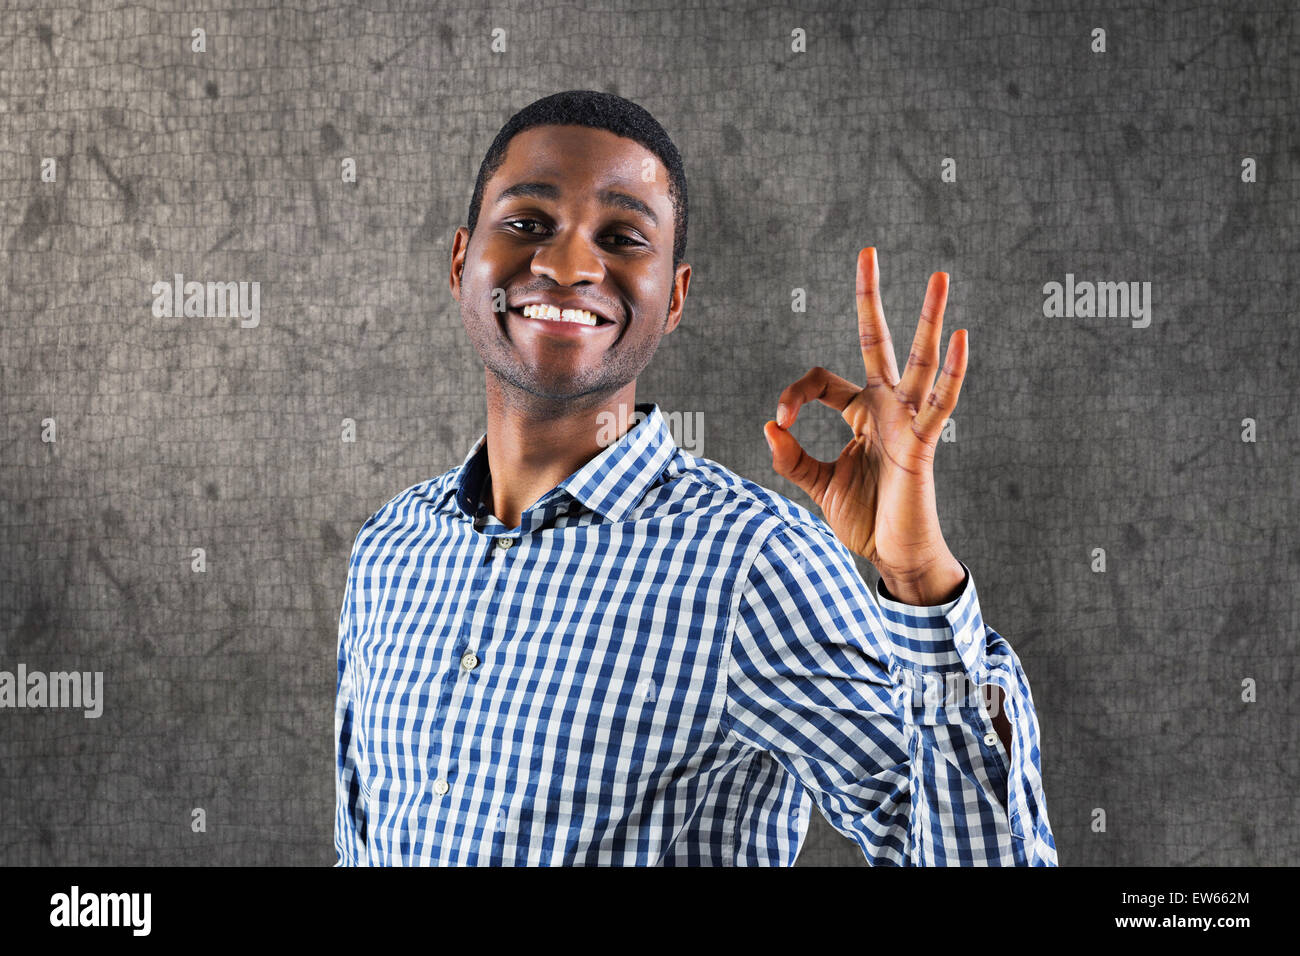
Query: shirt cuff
[[940, 636]]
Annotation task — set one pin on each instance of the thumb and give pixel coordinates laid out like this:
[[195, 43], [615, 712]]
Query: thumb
[[790, 461]]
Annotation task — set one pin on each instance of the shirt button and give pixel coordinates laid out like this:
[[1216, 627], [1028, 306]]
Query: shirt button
[[469, 661], [990, 739], [440, 787], [505, 543]]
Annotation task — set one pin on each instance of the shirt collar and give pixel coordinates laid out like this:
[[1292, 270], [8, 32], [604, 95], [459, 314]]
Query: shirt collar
[[611, 484]]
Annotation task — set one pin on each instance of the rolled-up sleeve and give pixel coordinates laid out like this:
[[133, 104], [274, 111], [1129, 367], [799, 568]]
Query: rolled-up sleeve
[[878, 709]]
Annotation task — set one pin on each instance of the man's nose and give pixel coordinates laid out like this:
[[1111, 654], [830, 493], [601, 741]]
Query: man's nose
[[569, 259]]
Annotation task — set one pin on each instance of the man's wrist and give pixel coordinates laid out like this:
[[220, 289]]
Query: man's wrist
[[939, 584]]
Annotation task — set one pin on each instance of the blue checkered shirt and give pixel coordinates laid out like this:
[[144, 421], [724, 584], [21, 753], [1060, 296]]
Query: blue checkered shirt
[[664, 664]]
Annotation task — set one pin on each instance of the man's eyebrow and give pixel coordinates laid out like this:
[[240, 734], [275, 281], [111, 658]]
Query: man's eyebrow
[[529, 190], [610, 197]]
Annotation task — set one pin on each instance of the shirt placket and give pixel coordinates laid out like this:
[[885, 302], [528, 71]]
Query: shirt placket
[[470, 657]]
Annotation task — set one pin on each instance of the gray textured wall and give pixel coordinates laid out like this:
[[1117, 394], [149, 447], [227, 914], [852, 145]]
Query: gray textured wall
[[1072, 433]]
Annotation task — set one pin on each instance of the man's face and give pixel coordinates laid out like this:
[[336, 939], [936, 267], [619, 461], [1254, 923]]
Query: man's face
[[570, 219]]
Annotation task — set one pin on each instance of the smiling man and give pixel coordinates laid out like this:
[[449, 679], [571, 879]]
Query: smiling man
[[571, 651]]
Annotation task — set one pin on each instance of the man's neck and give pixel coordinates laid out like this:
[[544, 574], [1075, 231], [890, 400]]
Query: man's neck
[[532, 448]]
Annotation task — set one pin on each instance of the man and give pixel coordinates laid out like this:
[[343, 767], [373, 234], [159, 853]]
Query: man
[[585, 646]]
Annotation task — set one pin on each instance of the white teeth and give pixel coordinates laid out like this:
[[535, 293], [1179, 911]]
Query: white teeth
[[579, 315], [556, 314]]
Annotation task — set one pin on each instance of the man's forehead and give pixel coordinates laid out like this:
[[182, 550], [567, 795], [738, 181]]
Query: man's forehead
[[617, 176], [614, 161]]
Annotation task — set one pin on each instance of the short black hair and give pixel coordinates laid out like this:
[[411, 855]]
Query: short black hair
[[597, 110]]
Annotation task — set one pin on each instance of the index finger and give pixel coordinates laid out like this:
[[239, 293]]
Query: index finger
[[873, 333]]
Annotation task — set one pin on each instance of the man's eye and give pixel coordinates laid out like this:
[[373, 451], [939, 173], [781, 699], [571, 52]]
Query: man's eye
[[629, 240], [533, 221]]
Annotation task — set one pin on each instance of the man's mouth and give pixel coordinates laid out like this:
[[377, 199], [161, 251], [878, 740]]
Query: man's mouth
[[552, 314]]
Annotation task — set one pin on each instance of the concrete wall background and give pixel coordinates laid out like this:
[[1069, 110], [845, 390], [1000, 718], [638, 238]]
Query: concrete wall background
[[1073, 433]]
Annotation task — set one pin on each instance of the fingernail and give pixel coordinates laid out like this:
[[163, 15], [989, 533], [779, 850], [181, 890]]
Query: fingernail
[[781, 412], [770, 446]]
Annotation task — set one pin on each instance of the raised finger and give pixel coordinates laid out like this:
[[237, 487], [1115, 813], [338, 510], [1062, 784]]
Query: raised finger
[[873, 333], [918, 375], [943, 399]]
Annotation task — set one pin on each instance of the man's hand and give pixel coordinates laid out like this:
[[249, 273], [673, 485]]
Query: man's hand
[[878, 496]]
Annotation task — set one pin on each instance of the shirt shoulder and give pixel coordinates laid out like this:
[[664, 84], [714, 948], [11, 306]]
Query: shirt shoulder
[[795, 570], [772, 517], [408, 505]]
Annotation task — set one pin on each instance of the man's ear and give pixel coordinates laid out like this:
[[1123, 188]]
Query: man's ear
[[459, 245], [681, 283]]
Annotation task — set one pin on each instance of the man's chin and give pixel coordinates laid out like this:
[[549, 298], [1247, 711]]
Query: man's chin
[[561, 390]]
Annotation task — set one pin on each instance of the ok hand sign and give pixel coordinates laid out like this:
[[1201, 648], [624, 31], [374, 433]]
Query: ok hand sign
[[878, 496]]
